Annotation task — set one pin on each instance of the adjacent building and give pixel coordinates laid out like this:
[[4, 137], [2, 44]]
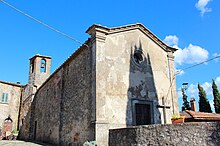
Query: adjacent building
[[15, 99], [10, 99]]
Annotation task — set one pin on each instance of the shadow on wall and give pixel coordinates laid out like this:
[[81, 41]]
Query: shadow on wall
[[25, 127], [142, 97]]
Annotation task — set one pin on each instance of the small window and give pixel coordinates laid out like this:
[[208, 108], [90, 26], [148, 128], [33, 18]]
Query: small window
[[43, 65], [4, 98]]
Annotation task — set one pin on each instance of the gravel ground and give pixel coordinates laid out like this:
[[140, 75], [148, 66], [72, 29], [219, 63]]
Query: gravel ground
[[20, 143]]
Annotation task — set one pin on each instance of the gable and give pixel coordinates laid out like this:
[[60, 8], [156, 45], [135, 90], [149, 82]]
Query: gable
[[95, 30]]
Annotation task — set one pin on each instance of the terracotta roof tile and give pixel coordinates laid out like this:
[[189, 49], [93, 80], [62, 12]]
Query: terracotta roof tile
[[200, 116]]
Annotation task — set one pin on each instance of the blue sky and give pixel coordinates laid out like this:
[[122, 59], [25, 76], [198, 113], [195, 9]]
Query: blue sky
[[191, 26]]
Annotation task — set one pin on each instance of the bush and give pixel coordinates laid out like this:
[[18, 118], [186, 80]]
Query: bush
[[177, 117], [15, 132]]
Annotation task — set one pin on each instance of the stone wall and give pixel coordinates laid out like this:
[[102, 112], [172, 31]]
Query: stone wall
[[61, 112], [39, 71], [37, 74], [12, 106], [207, 133]]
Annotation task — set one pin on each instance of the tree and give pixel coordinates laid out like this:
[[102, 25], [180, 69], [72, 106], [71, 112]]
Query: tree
[[185, 101], [216, 97], [204, 105]]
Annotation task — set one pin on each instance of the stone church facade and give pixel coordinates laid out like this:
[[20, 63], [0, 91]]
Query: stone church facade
[[120, 77]]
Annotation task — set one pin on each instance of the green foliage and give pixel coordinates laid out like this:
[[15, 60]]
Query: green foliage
[[15, 132], [90, 143], [216, 97], [174, 117], [185, 101], [204, 105]]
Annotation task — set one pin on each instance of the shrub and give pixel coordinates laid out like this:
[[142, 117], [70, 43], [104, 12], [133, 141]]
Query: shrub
[[177, 117]]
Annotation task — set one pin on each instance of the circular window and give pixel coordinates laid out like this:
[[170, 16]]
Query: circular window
[[138, 57]]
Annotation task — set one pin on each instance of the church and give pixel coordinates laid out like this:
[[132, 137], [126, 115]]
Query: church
[[120, 77]]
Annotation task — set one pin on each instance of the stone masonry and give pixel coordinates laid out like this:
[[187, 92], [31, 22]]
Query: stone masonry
[[39, 71], [11, 107], [15, 99], [184, 134], [57, 114], [120, 77], [132, 66]]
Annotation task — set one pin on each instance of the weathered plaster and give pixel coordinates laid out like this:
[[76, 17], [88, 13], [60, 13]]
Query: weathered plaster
[[97, 87], [12, 106]]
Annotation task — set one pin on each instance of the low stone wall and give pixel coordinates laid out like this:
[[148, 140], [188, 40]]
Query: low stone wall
[[188, 134]]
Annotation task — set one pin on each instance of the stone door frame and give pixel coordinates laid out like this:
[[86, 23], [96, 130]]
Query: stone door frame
[[141, 101]]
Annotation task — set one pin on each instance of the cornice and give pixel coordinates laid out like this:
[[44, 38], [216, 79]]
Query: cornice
[[100, 32]]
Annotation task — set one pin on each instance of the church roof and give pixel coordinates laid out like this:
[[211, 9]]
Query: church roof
[[112, 30], [12, 84], [200, 116], [141, 27], [38, 55]]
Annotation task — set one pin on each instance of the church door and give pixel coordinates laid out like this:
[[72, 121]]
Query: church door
[[143, 114]]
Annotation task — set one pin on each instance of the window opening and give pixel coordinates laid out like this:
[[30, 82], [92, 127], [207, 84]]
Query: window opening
[[32, 66], [43, 65], [138, 57], [4, 98]]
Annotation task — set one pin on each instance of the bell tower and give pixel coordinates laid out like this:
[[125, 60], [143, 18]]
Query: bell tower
[[39, 70]]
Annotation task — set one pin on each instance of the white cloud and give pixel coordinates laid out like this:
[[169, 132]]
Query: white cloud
[[217, 81], [192, 90], [179, 72], [179, 92], [190, 55], [201, 6], [212, 105], [171, 40], [207, 87], [216, 55]]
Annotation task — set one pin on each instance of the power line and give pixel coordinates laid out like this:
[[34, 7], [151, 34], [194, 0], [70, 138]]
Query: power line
[[171, 84], [42, 23], [178, 72]]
